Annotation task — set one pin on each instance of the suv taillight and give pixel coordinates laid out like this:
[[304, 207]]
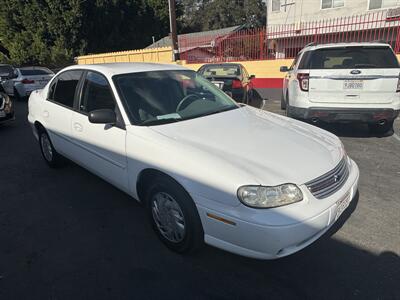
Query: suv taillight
[[236, 84], [398, 85], [303, 79]]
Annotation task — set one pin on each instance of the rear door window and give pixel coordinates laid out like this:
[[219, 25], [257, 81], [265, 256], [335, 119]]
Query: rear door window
[[353, 58], [65, 88]]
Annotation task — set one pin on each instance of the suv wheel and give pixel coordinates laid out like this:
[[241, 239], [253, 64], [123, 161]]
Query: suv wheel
[[174, 216], [16, 95]]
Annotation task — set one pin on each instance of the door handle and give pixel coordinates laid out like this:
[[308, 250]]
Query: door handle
[[46, 114], [78, 127]]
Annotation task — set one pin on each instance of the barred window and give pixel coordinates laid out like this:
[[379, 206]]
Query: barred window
[[276, 5], [331, 4], [376, 4]]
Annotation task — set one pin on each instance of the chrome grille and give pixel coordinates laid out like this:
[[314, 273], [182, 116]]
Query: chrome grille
[[329, 183]]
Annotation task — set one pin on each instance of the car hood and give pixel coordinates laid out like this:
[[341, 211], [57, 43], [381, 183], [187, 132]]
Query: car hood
[[268, 148]]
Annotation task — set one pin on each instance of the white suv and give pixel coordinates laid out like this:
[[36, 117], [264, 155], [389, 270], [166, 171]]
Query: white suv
[[346, 82]]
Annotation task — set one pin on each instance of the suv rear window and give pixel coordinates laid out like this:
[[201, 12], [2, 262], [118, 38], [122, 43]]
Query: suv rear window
[[352, 58]]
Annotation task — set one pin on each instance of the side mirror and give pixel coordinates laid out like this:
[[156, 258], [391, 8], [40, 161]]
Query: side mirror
[[284, 69], [252, 76], [102, 116]]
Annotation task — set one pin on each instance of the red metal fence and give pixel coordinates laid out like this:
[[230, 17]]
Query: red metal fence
[[285, 41]]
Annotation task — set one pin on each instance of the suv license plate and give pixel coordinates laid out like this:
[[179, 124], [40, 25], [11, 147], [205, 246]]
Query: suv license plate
[[342, 204], [353, 85]]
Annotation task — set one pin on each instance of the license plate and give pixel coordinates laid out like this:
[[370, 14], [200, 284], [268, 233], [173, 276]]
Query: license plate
[[218, 84], [2, 114], [342, 204], [42, 82], [353, 85]]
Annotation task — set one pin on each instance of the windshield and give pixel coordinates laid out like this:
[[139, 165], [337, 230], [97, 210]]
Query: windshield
[[160, 97], [364, 57]]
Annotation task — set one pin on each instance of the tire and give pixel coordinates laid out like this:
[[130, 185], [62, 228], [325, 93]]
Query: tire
[[283, 103], [381, 129], [174, 216], [288, 112], [50, 155], [17, 97]]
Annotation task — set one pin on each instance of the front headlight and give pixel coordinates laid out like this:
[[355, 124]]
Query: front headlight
[[258, 196]]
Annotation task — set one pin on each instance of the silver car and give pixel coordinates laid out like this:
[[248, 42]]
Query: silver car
[[27, 79]]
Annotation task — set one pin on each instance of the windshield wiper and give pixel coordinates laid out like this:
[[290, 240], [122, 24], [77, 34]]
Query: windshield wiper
[[150, 122], [222, 109]]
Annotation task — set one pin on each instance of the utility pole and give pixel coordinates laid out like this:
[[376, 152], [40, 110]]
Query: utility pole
[[172, 24]]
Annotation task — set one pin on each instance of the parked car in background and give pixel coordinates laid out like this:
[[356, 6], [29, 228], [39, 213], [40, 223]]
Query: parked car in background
[[7, 72], [6, 107], [26, 80], [232, 78], [346, 82], [205, 168]]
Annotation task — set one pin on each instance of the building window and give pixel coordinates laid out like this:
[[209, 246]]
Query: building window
[[376, 4], [331, 4], [276, 5]]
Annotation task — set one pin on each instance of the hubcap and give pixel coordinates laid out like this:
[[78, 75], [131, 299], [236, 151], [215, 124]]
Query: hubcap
[[46, 147], [168, 217]]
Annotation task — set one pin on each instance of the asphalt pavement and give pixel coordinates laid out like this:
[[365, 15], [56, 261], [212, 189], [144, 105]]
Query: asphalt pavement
[[66, 234]]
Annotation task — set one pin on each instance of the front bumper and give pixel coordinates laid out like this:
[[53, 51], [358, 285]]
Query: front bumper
[[255, 234], [333, 115]]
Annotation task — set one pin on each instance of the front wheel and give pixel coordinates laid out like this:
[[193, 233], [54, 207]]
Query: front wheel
[[174, 216], [50, 155]]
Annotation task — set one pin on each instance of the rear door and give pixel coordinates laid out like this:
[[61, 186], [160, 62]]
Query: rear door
[[57, 110], [352, 75]]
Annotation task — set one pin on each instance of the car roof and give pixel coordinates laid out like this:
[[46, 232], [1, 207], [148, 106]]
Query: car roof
[[335, 45], [33, 68], [111, 69]]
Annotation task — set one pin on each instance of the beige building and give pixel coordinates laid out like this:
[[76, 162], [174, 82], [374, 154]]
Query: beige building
[[296, 11]]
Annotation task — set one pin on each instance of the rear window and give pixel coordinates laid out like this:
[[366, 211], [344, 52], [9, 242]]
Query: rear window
[[351, 58], [32, 72], [208, 71]]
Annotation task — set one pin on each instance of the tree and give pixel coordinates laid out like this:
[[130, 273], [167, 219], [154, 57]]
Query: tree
[[215, 14], [41, 32], [53, 32]]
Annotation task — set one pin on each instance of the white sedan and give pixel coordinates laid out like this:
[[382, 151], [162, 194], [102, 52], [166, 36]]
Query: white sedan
[[207, 169]]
